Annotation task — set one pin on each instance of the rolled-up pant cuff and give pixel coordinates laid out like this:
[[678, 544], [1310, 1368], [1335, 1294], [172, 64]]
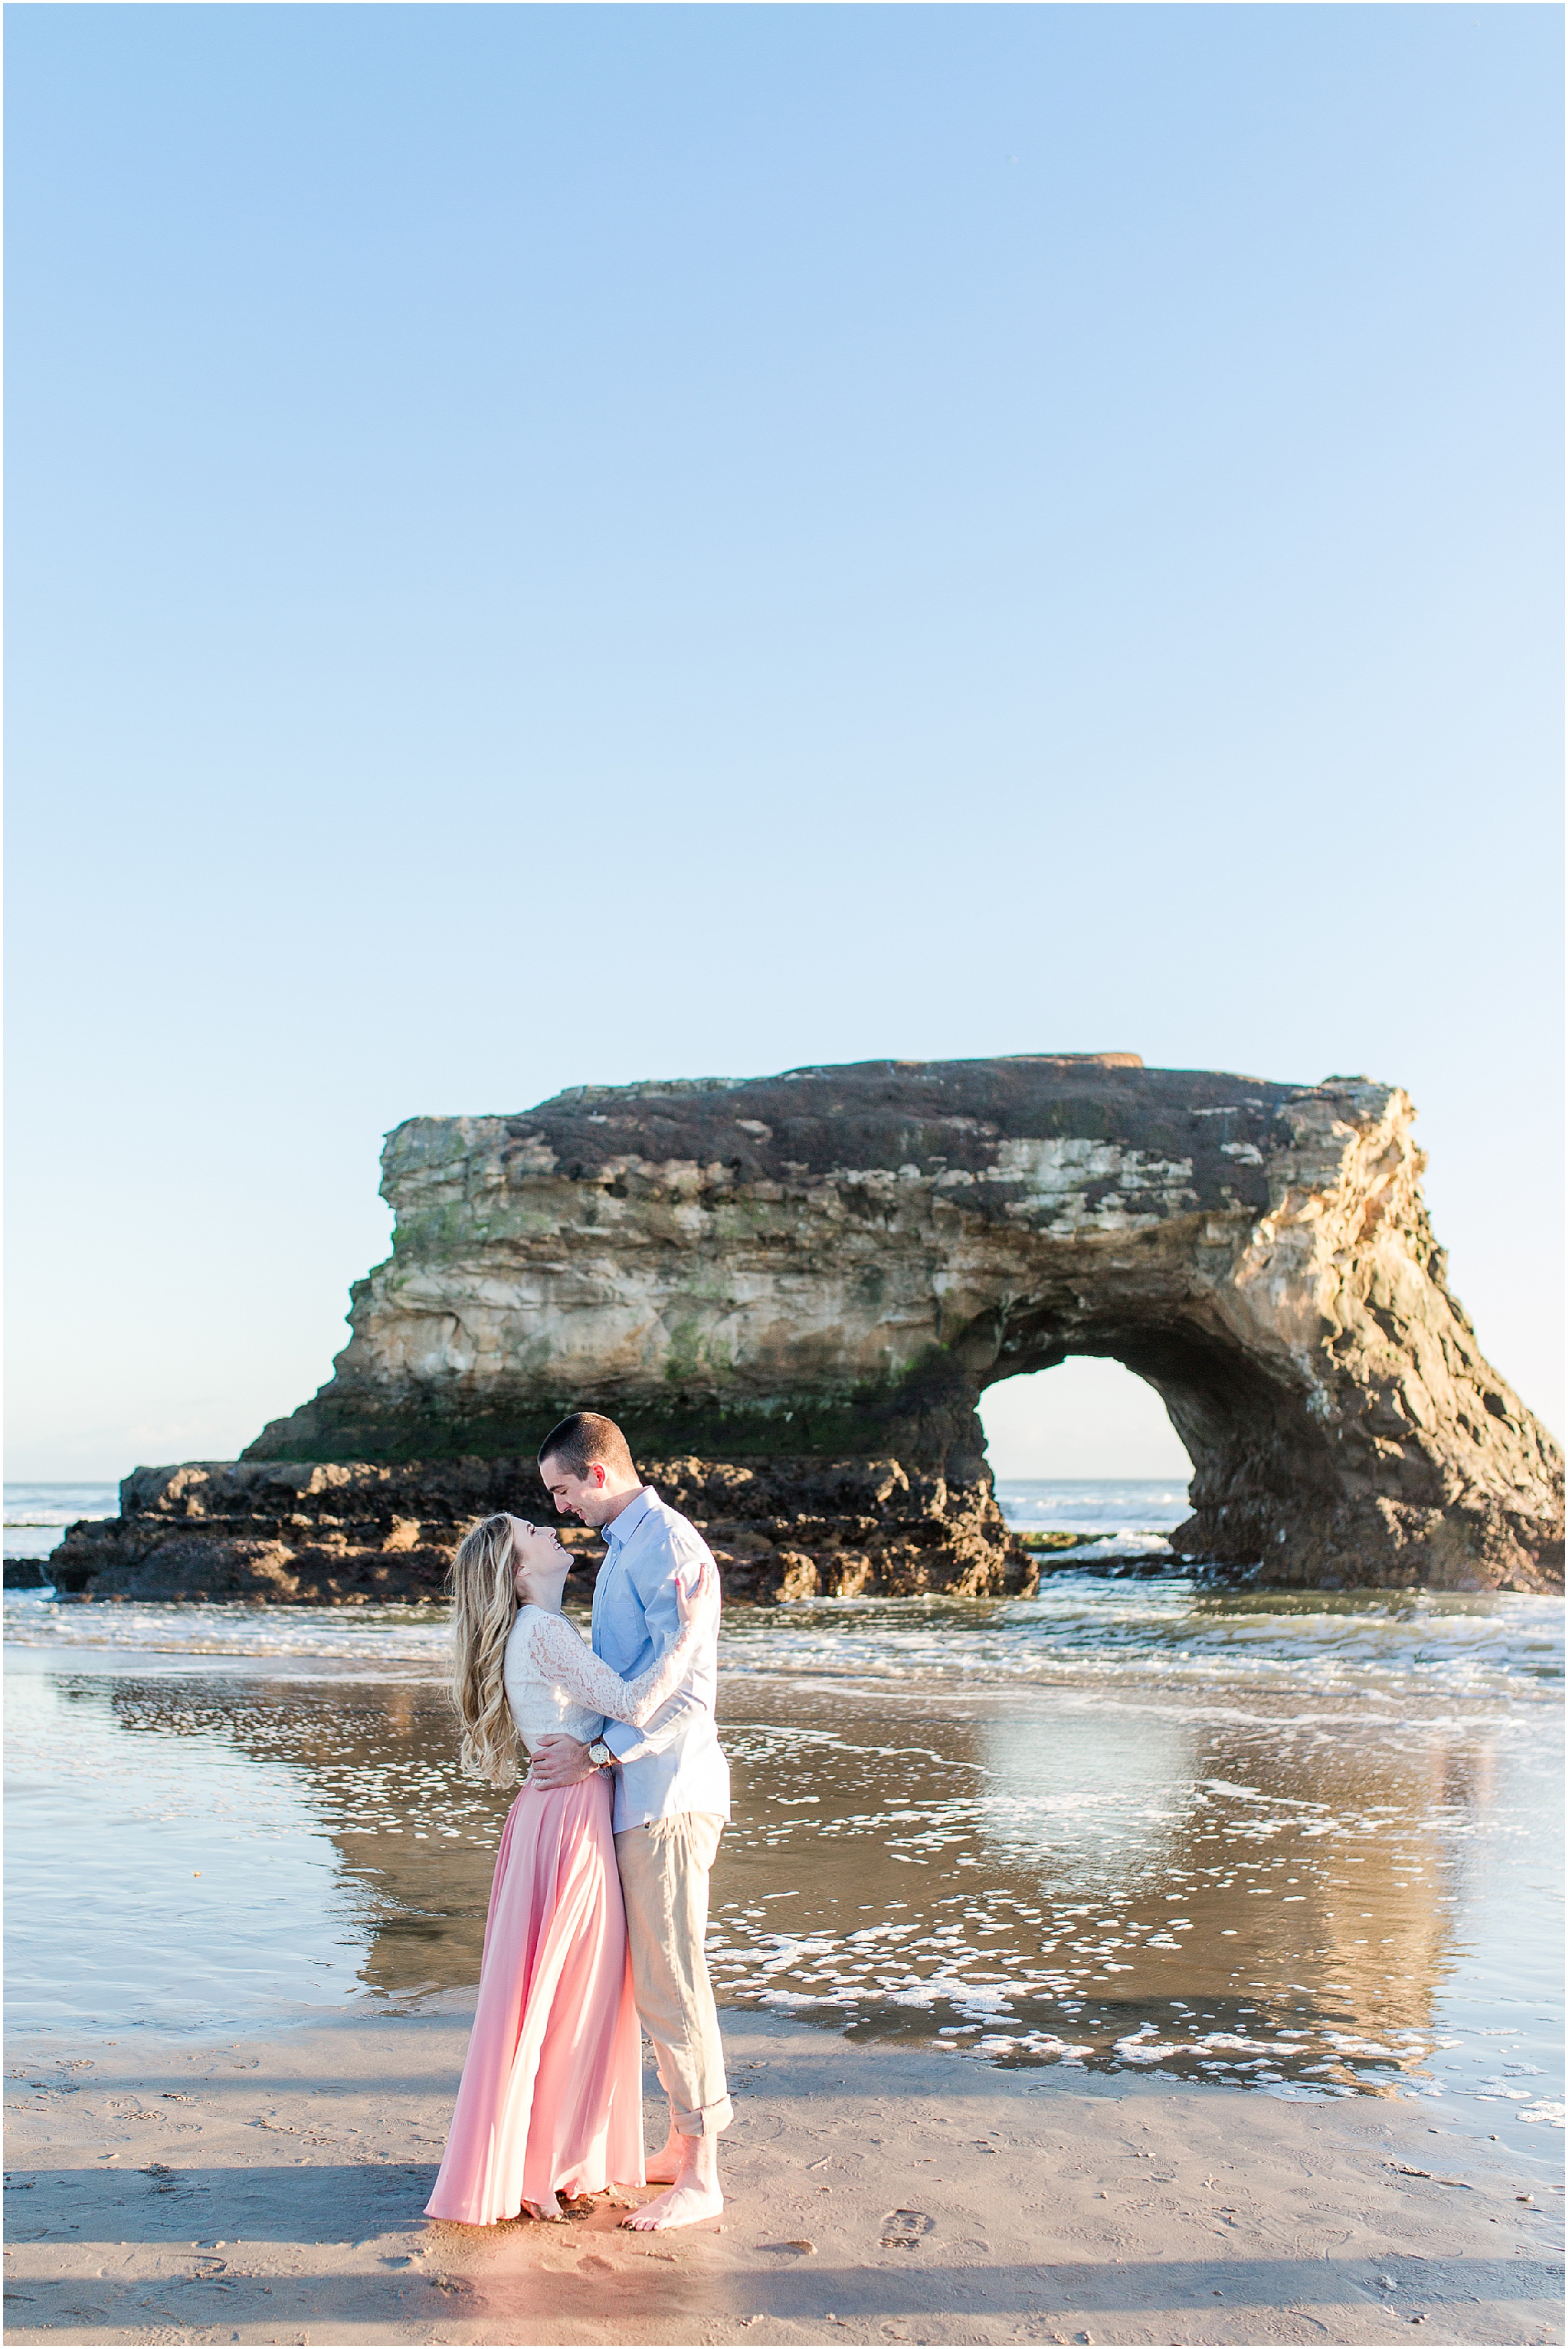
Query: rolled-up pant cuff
[[707, 2123]]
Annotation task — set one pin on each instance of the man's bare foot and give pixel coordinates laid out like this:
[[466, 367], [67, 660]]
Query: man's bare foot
[[683, 2205], [665, 2166], [693, 2186]]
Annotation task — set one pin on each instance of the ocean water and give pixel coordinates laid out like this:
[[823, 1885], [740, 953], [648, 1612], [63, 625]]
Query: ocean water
[[1307, 1845], [36, 1516], [1131, 1518]]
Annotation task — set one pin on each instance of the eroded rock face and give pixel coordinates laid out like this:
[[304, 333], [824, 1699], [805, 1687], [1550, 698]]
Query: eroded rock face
[[836, 1263], [802, 1528], [286, 1531], [303, 1533]]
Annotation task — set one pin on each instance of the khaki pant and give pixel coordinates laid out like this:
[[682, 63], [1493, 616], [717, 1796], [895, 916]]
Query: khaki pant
[[664, 1882]]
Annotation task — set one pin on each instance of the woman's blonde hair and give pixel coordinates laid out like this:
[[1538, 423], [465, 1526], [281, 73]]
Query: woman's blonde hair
[[485, 1608]]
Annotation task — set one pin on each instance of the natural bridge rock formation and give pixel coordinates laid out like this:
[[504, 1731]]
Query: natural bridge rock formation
[[833, 1265], [793, 1292]]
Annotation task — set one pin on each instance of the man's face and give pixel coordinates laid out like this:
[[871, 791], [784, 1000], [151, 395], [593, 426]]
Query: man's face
[[583, 1496]]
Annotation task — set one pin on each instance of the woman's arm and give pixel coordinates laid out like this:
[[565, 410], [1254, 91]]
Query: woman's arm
[[556, 1651]]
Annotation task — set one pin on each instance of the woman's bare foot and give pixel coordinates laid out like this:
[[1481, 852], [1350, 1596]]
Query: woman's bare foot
[[550, 2210], [693, 2186]]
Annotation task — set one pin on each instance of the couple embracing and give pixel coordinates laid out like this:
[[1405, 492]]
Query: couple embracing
[[599, 1909]]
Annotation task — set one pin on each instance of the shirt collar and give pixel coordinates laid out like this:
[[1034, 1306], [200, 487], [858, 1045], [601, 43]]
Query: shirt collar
[[621, 1529]]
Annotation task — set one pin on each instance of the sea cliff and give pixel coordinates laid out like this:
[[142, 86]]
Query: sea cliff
[[800, 1284]]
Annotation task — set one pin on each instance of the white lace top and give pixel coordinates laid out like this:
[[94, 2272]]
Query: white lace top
[[557, 1686]]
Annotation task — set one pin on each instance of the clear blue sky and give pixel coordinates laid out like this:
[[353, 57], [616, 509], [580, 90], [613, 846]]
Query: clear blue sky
[[552, 543]]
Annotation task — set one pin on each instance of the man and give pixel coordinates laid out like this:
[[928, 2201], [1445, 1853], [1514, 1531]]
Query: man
[[671, 1795]]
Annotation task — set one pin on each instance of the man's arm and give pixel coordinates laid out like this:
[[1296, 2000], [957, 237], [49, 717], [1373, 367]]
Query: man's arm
[[562, 1761], [659, 1582], [657, 1578], [665, 1727]]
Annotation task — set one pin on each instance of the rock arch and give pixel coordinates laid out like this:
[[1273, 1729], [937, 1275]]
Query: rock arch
[[833, 1265]]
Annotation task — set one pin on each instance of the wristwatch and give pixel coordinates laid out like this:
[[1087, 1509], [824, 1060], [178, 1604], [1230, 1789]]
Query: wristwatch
[[600, 1755]]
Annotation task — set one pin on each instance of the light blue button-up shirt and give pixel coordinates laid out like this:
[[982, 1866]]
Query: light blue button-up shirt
[[673, 1762]]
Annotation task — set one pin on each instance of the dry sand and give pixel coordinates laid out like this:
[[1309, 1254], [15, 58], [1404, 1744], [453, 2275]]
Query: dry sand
[[879, 2192]]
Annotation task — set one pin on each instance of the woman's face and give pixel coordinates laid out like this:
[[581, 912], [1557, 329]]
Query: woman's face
[[538, 1558]]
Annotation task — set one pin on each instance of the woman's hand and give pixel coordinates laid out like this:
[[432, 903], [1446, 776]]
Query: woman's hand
[[702, 1599]]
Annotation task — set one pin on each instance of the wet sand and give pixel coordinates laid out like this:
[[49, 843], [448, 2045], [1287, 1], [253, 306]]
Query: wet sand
[[881, 2191], [1175, 1936], [1346, 1882]]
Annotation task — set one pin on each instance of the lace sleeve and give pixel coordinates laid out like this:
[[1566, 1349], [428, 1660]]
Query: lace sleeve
[[560, 1655]]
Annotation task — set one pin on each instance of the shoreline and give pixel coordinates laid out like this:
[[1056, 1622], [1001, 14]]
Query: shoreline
[[943, 2200], [30, 1578]]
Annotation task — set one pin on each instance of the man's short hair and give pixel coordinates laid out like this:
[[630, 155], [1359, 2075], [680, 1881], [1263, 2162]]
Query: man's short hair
[[584, 1437]]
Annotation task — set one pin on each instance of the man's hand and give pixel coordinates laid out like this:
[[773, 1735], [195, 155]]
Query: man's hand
[[560, 1762]]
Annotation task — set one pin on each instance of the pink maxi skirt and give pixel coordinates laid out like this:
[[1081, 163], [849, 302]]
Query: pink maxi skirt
[[551, 2099]]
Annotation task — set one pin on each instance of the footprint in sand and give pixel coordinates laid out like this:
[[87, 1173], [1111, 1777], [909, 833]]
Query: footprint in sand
[[902, 2230]]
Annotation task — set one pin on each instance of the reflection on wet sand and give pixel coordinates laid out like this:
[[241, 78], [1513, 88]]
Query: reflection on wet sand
[[1029, 1875], [1304, 1843], [417, 1841], [1045, 1883]]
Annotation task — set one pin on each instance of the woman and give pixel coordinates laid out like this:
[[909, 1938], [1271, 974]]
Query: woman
[[551, 2099]]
